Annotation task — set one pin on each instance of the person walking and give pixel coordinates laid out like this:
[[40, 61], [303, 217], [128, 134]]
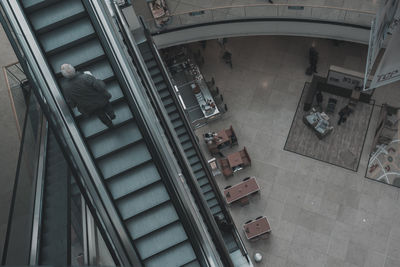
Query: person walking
[[319, 98], [88, 94], [313, 58]]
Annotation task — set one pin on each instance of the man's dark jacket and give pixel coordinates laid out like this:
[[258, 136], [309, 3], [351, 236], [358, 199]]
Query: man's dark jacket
[[86, 93]]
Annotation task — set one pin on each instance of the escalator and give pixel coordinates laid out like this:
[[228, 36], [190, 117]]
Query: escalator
[[151, 214], [54, 217], [186, 138]]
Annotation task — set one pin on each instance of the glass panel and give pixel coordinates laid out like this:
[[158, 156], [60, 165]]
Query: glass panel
[[20, 226]]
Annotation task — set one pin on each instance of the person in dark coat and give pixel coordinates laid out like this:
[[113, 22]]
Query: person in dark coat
[[313, 57], [88, 94], [344, 113], [319, 98]]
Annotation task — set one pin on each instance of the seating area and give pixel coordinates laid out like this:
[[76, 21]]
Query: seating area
[[220, 140], [241, 191], [235, 162]]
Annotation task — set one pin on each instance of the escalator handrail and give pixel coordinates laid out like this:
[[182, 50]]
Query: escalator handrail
[[171, 135], [38, 205], [193, 138], [72, 144]]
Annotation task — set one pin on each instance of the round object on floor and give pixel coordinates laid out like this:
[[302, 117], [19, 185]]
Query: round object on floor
[[390, 159], [258, 257]]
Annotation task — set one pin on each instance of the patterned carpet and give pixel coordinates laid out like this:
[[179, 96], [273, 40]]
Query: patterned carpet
[[343, 146]]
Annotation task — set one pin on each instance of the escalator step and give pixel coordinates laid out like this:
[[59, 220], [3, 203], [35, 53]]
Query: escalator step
[[93, 125], [143, 224], [67, 36], [76, 56], [124, 160], [57, 15], [115, 139], [133, 180], [177, 256], [33, 5], [151, 64], [142, 201], [160, 241]]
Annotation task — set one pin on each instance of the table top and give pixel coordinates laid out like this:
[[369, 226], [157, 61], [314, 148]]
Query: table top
[[221, 137], [256, 228], [235, 159], [241, 190]]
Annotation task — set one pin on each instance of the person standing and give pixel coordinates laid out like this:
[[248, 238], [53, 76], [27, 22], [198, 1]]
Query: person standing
[[313, 58], [319, 98], [88, 94]]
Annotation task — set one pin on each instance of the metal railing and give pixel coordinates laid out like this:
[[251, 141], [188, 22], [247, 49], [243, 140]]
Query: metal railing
[[261, 12]]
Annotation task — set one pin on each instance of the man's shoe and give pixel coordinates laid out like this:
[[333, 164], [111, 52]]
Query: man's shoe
[[112, 116]]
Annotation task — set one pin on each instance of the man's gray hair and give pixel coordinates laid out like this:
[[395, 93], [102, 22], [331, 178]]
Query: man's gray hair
[[67, 70]]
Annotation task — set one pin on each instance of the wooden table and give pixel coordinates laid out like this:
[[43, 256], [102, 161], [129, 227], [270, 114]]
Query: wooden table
[[256, 228], [221, 138], [235, 159], [241, 190]]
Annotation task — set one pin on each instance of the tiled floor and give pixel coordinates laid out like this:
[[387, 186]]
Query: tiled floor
[[321, 215]]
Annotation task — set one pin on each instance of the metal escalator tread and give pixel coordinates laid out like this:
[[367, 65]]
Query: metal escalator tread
[[33, 5], [67, 35], [201, 174], [174, 116], [133, 180], [142, 224], [115, 139], [193, 160], [154, 72], [142, 201], [161, 86], [124, 160], [180, 130], [206, 188], [192, 264], [93, 125], [159, 241], [60, 13], [177, 256], [209, 195], [77, 55], [151, 64], [171, 109], [190, 153], [164, 93]]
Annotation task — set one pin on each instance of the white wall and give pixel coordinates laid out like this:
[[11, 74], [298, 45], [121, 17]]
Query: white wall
[[294, 28]]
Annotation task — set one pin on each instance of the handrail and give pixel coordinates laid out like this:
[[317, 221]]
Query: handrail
[[174, 141], [38, 205], [277, 4], [60, 119], [193, 138], [155, 136], [278, 10]]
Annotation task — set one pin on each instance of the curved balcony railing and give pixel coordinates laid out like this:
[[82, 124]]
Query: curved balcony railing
[[330, 14]]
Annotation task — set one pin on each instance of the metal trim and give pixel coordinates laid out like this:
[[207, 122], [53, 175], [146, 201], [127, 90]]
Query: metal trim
[[40, 174]]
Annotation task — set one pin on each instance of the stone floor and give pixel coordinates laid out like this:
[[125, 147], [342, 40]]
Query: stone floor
[[320, 214]]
